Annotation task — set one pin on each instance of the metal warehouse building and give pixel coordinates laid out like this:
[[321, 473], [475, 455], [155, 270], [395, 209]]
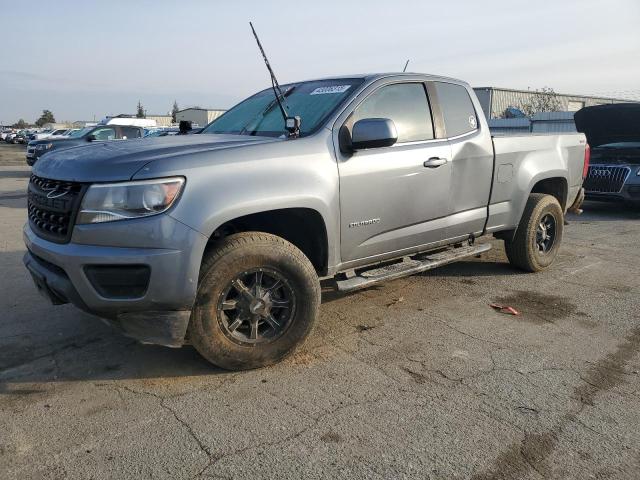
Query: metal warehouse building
[[198, 116], [495, 101], [161, 120]]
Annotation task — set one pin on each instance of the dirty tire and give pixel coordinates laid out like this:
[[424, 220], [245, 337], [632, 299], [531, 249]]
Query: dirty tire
[[209, 330], [523, 251]]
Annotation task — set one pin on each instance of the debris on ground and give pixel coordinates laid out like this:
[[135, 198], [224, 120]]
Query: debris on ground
[[504, 309], [395, 301]]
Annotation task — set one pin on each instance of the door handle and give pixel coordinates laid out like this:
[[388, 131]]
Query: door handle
[[435, 162]]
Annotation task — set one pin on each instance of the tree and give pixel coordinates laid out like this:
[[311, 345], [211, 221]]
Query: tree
[[140, 113], [544, 100], [46, 117], [20, 124], [174, 111]]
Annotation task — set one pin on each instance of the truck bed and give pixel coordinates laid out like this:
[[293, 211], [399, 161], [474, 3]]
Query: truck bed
[[520, 160]]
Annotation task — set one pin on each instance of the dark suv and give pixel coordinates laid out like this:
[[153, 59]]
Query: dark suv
[[37, 148], [613, 132]]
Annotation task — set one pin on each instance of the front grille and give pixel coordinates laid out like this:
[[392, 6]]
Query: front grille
[[605, 179], [52, 206]]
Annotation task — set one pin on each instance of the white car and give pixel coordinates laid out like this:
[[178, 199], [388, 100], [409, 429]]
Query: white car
[[41, 135], [63, 133]]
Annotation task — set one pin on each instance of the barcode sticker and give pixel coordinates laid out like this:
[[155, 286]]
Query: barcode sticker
[[332, 89]]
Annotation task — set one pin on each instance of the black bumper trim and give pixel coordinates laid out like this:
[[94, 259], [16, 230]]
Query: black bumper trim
[[166, 328], [52, 281]]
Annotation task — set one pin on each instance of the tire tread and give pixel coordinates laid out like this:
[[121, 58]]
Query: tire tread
[[518, 249]]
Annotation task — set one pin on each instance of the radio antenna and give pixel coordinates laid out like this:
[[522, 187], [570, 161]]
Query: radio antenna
[[274, 81], [405, 66]]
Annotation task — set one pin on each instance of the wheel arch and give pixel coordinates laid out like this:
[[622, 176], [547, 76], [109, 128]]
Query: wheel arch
[[557, 187], [302, 226], [551, 183]]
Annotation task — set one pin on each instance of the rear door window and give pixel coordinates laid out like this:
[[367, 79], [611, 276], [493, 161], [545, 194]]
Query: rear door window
[[405, 104], [130, 132], [457, 109]]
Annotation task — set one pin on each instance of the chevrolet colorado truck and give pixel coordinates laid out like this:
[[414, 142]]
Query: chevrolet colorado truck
[[220, 239]]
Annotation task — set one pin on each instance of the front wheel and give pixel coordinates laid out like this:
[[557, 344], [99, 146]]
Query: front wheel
[[257, 300], [537, 239]]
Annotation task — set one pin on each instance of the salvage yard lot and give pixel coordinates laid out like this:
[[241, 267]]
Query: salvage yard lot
[[415, 378]]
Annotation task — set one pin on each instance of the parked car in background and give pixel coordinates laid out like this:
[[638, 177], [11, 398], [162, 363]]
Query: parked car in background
[[129, 120], [21, 137], [219, 239], [100, 133], [60, 133], [161, 132], [42, 134], [5, 133], [613, 132]]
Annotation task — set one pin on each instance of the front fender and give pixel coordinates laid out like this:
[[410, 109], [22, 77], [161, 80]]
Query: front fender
[[223, 186]]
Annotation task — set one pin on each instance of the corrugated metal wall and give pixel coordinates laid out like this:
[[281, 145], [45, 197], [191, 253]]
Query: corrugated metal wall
[[553, 122], [509, 126], [495, 101], [161, 120], [545, 122], [213, 114]]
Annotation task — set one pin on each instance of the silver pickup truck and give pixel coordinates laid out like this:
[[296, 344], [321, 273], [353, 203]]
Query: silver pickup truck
[[220, 239]]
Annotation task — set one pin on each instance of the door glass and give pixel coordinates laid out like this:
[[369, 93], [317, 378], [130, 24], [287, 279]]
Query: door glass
[[104, 134], [457, 109], [130, 132], [404, 103]]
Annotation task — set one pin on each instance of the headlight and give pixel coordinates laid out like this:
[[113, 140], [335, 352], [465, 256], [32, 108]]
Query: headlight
[[44, 146], [119, 201]]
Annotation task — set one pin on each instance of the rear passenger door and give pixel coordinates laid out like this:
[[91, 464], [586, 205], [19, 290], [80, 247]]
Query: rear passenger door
[[392, 199], [471, 157]]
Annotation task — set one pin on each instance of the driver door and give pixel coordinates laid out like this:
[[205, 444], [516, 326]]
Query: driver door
[[394, 199]]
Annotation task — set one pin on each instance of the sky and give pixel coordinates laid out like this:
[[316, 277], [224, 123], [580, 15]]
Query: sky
[[84, 60]]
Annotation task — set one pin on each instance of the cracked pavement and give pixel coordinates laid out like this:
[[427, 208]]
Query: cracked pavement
[[416, 378]]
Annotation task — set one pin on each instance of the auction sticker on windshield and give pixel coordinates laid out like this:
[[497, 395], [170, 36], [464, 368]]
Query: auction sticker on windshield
[[331, 89]]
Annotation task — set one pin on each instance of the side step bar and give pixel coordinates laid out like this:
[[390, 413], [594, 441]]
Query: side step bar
[[410, 266]]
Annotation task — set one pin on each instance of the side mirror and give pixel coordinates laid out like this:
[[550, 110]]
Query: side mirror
[[91, 138], [373, 133]]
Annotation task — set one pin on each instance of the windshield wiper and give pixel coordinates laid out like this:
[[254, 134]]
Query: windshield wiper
[[260, 116]]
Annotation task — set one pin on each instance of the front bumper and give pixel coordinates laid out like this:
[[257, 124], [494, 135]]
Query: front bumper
[[627, 191], [31, 156], [159, 315], [630, 193]]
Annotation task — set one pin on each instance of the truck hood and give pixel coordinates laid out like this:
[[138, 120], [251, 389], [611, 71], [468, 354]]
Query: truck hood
[[119, 160], [603, 124], [58, 141]]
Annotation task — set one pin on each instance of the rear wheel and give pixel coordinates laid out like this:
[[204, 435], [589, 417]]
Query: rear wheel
[[537, 239], [257, 301]]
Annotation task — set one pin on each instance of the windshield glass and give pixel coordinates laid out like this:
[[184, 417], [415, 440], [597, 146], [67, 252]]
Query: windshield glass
[[80, 133], [260, 115], [620, 145]]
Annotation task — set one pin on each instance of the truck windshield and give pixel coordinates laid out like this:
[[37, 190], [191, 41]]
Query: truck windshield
[[312, 101]]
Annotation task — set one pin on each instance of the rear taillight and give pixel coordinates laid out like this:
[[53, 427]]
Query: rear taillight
[[587, 158]]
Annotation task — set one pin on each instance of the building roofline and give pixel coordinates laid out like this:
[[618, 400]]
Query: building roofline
[[516, 90], [204, 109]]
